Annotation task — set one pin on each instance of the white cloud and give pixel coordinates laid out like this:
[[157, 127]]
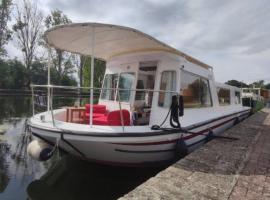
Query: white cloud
[[232, 36]]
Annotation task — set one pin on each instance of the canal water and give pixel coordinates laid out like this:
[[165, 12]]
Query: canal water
[[63, 176]]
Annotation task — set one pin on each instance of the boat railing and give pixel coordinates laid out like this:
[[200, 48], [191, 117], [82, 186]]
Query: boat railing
[[45, 98]]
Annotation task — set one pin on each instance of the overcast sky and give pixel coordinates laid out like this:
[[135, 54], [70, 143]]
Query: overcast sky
[[233, 36]]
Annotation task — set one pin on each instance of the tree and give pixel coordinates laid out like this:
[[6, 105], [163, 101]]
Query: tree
[[267, 86], [28, 30], [12, 74], [236, 83], [258, 84], [62, 61], [99, 69], [39, 71], [5, 33]]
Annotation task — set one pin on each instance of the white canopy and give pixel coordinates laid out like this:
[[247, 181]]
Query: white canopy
[[110, 40]]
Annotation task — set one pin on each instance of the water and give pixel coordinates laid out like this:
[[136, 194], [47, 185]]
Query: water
[[63, 177]]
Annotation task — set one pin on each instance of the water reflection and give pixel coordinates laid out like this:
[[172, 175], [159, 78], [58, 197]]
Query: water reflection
[[17, 170], [4, 177], [14, 107], [59, 178], [70, 178]]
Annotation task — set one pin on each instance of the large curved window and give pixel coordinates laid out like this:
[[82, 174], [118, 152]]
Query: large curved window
[[195, 91], [109, 90]]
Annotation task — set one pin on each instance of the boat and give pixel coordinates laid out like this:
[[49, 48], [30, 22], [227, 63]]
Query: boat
[[256, 98], [155, 104]]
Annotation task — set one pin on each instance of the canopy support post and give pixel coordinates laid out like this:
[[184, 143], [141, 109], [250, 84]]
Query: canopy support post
[[49, 80], [92, 77]]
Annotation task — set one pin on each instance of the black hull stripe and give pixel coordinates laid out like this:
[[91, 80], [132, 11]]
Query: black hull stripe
[[152, 151], [134, 134]]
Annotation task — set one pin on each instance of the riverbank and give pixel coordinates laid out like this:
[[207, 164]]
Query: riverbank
[[221, 169]]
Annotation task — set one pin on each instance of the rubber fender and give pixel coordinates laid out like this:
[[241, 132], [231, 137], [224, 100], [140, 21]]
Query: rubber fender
[[39, 150], [209, 136], [181, 149], [236, 121]]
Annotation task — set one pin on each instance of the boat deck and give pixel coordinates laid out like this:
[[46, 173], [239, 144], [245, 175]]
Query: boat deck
[[221, 169]]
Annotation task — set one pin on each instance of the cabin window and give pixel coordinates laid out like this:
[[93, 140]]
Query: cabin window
[[167, 83], [109, 87], [125, 83], [237, 97], [224, 96], [195, 91]]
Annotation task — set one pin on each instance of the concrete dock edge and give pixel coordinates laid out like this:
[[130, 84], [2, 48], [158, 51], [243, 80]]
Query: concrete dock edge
[[220, 169]]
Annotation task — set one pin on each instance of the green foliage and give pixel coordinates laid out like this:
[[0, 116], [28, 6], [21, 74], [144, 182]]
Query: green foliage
[[258, 105], [258, 84], [267, 86], [12, 74], [62, 61], [39, 72], [5, 33], [236, 83], [99, 70], [56, 18]]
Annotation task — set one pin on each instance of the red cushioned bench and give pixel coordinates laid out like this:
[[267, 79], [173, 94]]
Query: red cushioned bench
[[98, 111], [102, 117], [113, 118]]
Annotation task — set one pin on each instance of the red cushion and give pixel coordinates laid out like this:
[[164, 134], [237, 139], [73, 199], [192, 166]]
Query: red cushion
[[96, 108], [113, 119], [100, 121], [95, 115]]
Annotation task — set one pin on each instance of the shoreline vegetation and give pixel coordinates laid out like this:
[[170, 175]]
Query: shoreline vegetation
[[23, 23], [28, 24], [59, 93]]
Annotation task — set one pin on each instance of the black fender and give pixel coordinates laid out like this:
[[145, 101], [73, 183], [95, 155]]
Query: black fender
[[181, 149]]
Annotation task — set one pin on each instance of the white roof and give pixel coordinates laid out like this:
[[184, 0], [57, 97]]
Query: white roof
[[110, 40]]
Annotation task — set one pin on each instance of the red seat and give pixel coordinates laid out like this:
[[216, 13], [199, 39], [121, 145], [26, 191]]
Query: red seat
[[113, 118], [95, 115], [98, 111], [96, 108]]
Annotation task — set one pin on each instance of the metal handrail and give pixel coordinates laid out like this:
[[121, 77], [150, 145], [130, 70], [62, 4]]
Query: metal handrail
[[96, 88], [50, 102]]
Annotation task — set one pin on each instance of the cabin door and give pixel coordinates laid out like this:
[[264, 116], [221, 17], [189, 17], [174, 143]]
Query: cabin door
[[143, 99]]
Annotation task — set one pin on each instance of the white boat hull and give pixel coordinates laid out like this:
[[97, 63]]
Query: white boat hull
[[133, 148]]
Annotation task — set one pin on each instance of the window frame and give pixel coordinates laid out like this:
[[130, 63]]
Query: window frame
[[130, 90], [230, 96], [170, 70], [208, 84], [101, 93], [115, 99], [239, 100]]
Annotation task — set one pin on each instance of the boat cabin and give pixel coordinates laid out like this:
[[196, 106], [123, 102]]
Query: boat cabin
[[142, 74], [142, 85]]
